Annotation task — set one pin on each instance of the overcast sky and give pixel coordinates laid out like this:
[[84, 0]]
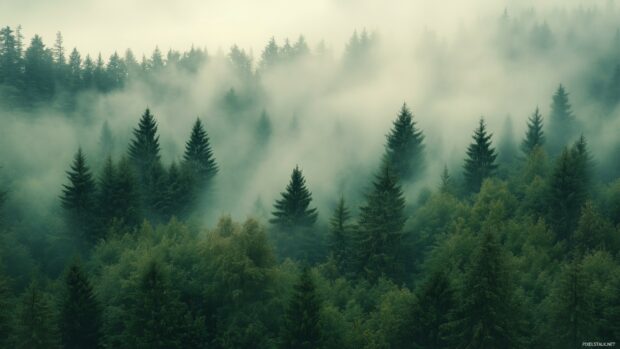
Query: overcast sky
[[108, 25]]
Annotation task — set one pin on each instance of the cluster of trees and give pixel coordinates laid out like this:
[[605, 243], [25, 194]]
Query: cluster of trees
[[138, 186]]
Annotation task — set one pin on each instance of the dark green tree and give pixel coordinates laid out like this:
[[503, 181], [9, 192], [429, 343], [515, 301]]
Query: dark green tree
[[79, 199], [199, 156], [301, 324], [561, 126], [38, 72], [480, 161], [10, 59], [36, 324], [340, 236], [292, 210], [488, 312], [118, 199], [80, 314], [381, 223], [534, 136], [405, 147], [75, 71], [432, 311]]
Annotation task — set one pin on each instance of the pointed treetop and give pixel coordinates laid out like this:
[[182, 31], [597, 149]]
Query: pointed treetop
[[198, 151], [480, 161], [292, 210], [534, 136], [405, 146]]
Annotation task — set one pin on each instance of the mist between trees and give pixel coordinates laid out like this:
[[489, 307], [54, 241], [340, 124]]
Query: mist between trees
[[447, 192]]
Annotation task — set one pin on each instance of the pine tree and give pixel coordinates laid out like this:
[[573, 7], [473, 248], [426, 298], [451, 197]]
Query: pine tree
[[480, 162], [534, 136], [78, 199], [301, 324], [199, 155], [38, 71], [488, 314], [436, 302], [405, 147], [567, 192], [561, 122], [381, 225], [340, 236], [10, 65], [572, 311], [144, 153], [292, 210], [156, 316], [80, 315], [36, 326], [118, 199], [271, 55]]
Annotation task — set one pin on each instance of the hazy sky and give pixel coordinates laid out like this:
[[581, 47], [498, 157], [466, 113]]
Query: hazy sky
[[96, 25]]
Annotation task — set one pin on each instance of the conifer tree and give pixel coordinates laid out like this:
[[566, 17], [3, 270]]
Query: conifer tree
[[78, 199], [271, 55], [480, 162], [381, 225], [405, 147], [447, 184], [156, 316], [572, 311], [340, 236], [534, 136], [199, 155], [561, 126], [436, 302], [36, 324], [488, 314], [292, 210], [80, 315], [301, 324], [118, 198]]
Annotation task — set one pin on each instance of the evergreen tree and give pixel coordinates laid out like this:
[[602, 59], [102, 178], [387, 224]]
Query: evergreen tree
[[78, 199], [144, 154], [292, 210], [118, 199], [381, 227], [561, 122], [75, 71], [199, 156], [301, 324], [340, 236], [431, 313], [156, 316], [10, 57], [88, 73], [38, 71], [488, 314], [447, 184], [270, 56], [36, 326], [572, 315], [480, 162], [80, 315], [405, 147], [534, 136]]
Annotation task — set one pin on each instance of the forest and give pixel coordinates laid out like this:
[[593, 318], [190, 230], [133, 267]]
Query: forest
[[453, 192]]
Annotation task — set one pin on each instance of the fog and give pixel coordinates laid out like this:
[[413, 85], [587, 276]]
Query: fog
[[449, 62]]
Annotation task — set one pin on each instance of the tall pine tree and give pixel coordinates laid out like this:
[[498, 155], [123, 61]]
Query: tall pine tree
[[301, 324], [78, 199], [561, 126], [199, 156], [340, 236], [80, 315], [405, 147], [480, 162], [293, 209], [381, 225], [534, 136]]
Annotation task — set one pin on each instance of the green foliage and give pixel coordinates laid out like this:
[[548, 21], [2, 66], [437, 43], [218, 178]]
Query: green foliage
[[199, 156], [302, 322], [36, 322], [405, 147], [534, 136], [292, 210], [561, 128], [80, 314], [340, 238], [480, 161], [381, 228]]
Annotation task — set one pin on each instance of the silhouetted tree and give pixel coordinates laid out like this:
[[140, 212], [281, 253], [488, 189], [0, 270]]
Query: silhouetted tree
[[561, 127], [480, 161], [292, 210], [534, 136], [340, 237], [405, 147]]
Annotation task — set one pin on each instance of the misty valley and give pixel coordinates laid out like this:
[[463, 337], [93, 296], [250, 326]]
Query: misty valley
[[423, 190]]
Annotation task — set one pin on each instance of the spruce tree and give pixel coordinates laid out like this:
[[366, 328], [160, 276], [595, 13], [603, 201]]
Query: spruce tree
[[36, 324], [118, 199], [292, 210], [78, 199], [199, 156], [405, 147], [301, 324], [534, 136], [561, 126], [156, 316], [381, 223], [340, 236], [488, 313], [432, 311], [572, 310], [480, 162], [80, 315]]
